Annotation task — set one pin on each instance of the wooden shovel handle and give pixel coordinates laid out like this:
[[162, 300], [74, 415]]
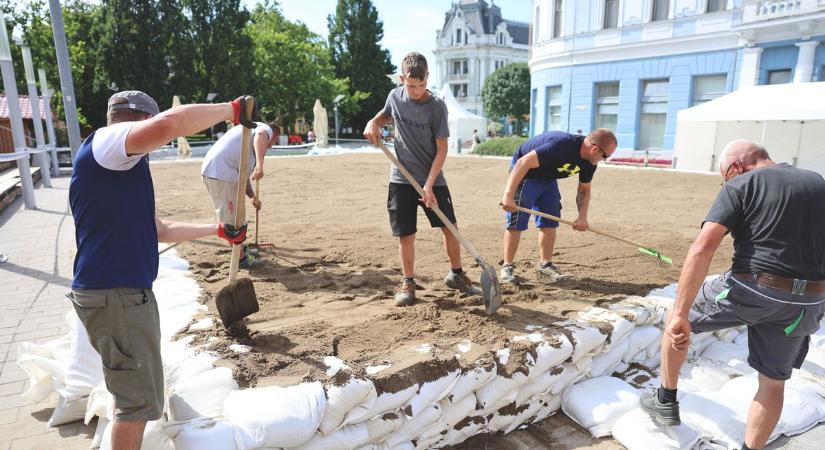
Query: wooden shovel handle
[[240, 203]]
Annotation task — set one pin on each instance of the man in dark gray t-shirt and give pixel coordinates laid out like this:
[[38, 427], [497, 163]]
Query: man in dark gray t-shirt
[[421, 134], [776, 285]]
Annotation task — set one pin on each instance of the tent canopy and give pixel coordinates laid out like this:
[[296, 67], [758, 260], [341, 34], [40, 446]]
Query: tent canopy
[[795, 101], [461, 122]]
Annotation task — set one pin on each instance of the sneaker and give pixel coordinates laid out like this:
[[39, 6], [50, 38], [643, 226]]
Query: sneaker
[[507, 274], [250, 250], [248, 260], [665, 413], [552, 272], [461, 282], [406, 294]]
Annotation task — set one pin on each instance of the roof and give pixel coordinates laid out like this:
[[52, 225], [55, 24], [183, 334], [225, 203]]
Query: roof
[[519, 31], [793, 101], [25, 107], [483, 19]]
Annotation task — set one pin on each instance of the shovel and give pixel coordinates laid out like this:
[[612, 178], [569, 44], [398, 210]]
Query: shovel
[[490, 288], [238, 300]]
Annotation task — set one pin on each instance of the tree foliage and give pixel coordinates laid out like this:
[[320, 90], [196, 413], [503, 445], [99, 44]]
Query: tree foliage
[[506, 92], [355, 33]]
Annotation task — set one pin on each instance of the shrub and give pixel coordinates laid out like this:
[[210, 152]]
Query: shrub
[[503, 146]]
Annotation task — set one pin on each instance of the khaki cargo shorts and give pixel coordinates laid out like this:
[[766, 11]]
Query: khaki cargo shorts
[[124, 327], [224, 194]]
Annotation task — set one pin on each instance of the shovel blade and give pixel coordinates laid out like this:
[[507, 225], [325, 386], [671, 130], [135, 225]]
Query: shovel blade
[[236, 301], [490, 287]]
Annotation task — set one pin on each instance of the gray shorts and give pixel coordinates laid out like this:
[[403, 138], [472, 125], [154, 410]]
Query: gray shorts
[[124, 327], [779, 323]]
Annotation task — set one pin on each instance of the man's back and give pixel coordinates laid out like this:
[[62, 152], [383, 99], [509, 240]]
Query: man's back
[[776, 215]]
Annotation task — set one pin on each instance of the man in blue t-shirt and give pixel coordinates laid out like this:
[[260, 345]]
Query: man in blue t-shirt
[[536, 166], [117, 233]]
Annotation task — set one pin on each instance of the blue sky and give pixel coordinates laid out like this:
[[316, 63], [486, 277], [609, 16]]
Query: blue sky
[[408, 24]]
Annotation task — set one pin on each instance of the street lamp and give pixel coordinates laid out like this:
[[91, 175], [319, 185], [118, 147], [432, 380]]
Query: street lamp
[[336, 102], [209, 97]]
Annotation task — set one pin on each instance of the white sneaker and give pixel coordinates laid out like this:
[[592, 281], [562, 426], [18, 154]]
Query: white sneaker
[[507, 274], [552, 272]]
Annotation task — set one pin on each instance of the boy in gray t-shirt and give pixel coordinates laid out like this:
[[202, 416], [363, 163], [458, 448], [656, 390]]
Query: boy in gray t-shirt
[[421, 134]]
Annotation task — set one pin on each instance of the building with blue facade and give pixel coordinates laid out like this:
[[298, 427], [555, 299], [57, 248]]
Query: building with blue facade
[[631, 65]]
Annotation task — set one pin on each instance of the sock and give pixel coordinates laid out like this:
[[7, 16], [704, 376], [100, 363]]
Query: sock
[[458, 271], [409, 279], [545, 264], [508, 265], [666, 395]]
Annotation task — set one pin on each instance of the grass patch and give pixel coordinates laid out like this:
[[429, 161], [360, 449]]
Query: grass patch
[[502, 146]]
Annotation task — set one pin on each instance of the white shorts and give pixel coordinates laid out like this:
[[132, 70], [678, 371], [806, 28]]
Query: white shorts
[[224, 194]]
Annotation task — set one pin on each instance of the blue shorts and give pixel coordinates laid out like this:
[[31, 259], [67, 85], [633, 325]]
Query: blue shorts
[[539, 195]]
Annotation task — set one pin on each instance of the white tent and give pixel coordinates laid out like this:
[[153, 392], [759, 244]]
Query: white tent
[[461, 122], [787, 119]]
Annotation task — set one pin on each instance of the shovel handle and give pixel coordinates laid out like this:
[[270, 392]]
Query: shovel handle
[[257, 210], [240, 204], [567, 222], [435, 209]]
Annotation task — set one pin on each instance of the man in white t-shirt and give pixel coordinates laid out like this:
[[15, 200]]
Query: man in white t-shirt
[[221, 167]]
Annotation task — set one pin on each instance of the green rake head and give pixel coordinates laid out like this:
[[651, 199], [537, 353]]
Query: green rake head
[[660, 259]]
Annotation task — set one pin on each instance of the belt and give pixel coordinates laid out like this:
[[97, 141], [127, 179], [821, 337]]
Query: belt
[[792, 285]]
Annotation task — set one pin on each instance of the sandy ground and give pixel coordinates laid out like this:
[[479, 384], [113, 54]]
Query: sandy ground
[[326, 286]]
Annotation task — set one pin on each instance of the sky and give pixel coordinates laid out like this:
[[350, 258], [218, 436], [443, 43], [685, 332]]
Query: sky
[[409, 25]]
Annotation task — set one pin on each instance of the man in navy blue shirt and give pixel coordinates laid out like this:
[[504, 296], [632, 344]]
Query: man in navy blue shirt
[[536, 166], [117, 233]]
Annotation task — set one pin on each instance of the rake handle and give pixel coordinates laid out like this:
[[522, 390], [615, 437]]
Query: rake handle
[[435, 209], [567, 222], [257, 210]]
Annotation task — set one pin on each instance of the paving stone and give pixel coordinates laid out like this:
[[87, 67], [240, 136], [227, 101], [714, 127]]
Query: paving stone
[[13, 388]]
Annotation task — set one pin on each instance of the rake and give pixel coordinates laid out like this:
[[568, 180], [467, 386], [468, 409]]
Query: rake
[[648, 252]]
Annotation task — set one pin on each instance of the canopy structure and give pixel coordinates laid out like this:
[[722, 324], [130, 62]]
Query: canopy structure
[[461, 122], [787, 119]]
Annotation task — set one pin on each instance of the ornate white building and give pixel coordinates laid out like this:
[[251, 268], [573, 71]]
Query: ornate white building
[[475, 41]]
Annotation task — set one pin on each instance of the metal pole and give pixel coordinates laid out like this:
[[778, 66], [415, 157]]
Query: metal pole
[[65, 70], [34, 104], [336, 124], [18, 136], [46, 93]]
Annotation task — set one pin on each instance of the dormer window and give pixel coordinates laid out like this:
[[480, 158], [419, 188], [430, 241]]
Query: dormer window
[[458, 36], [500, 39]]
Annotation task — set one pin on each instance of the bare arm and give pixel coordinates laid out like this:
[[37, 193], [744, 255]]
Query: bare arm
[[517, 174], [373, 129], [697, 263], [582, 204], [172, 232], [261, 144], [150, 134]]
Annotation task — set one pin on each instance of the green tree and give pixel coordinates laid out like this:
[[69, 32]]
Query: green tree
[[291, 67], [354, 36], [506, 92]]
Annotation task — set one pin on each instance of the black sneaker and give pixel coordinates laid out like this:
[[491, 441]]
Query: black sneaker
[[666, 414]]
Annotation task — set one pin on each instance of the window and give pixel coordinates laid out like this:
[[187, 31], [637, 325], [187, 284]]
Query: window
[[552, 118], [458, 36], [459, 90], [607, 105], [660, 10], [654, 114], [611, 13], [499, 64], [716, 5], [556, 18], [707, 88], [779, 76], [460, 67], [500, 39]]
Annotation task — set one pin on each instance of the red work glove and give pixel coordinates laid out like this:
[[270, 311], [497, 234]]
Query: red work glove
[[233, 236], [239, 107]]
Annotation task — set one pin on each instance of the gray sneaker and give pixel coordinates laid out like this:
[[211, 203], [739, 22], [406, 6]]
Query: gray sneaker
[[507, 274], [665, 413], [462, 283], [406, 294], [552, 272]]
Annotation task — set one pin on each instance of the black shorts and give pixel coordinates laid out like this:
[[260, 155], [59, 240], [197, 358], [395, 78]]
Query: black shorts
[[403, 202]]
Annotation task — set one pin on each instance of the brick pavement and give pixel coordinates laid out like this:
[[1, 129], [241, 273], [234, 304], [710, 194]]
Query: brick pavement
[[33, 282]]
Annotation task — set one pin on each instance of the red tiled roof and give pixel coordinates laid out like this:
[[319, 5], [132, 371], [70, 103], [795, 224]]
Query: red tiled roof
[[25, 107]]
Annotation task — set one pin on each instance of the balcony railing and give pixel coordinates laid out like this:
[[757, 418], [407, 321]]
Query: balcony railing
[[457, 76], [759, 10]]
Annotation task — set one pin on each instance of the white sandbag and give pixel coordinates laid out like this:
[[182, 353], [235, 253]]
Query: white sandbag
[[85, 368], [571, 373], [380, 427], [275, 416], [501, 389], [68, 411], [464, 430], [100, 403], [640, 310], [814, 364], [202, 434], [721, 415], [344, 392], [181, 363], [639, 340], [472, 379], [348, 437], [637, 431], [707, 374], [502, 418], [525, 414], [699, 342], [585, 338], [666, 292], [100, 430], [456, 411], [432, 391], [153, 438], [390, 401], [741, 338], [540, 385], [597, 403], [45, 365], [549, 351], [413, 426], [619, 327], [605, 363], [201, 396], [726, 335], [550, 404], [731, 354]]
